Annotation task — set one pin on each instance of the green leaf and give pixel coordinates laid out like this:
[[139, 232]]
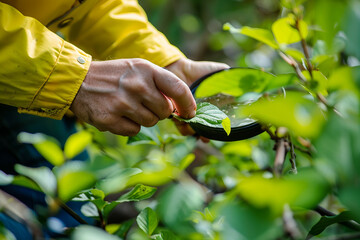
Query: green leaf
[[318, 82], [76, 143], [294, 111], [234, 82], [326, 221], [73, 177], [118, 181], [90, 210], [177, 203], [208, 115], [246, 222], [164, 235], [47, 146], [147, 220], [226, 124], [343, 79], [120, 230], [42, 176], [91, 233], [351, 21], [338, 149], [146, 136], [294, 53], [285, 30], [262, 35], [23, 181], [306, 190], [5, 179], [138, 193]]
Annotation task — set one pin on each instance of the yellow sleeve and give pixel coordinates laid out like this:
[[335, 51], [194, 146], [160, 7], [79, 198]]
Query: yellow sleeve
[[120, 29], [40, 73]]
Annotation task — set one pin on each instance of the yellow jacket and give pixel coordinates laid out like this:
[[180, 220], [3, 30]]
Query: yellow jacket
[[40, 72]]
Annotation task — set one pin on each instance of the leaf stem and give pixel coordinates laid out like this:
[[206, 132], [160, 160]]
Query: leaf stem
[[279, 157], [71, 212], [305, 47], [292, 156]]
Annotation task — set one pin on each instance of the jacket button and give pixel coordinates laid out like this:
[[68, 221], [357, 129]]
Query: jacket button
[[65, 22], [81, 60]]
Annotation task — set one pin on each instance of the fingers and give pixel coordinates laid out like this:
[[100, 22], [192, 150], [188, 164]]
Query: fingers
[[124, 127], [141, 115], [158, 104], [177, 90]]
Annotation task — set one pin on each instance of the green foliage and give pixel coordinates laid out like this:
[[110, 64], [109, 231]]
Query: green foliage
[[147, 220], [76, 143], [326, 221], [294, 110], [298, 64]]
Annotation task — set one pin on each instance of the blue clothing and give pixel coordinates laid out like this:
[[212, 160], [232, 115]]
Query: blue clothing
[[13, 152]]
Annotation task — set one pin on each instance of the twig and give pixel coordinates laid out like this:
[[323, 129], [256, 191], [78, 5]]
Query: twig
[[295, 65], [292, 156], [71, 212], [271, 134], [290, 223], [102, 221], [324, 212], [305, 48], [306, 151], [280, 156], [346, 236]]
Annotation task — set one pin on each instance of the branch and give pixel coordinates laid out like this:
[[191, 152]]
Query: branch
[[71, 212], [305, 48], [280, 156], [346, 236], [292, 156], [324, 212], [290, 223]]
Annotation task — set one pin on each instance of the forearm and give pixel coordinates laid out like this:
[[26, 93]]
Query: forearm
[[40, 72]]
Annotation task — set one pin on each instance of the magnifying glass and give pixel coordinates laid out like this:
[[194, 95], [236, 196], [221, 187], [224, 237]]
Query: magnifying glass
[[230, 90]]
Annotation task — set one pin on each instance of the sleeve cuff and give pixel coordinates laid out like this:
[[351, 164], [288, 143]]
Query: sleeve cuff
[[56, 94]]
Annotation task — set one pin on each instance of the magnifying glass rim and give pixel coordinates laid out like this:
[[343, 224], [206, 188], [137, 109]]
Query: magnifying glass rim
[[237, 133]]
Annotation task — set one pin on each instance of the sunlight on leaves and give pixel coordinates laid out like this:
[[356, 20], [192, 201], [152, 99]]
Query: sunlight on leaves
[[262, 35], [234, 82], [285, 30], [306, 189], [294, 111], [73, 177], [76, 143]]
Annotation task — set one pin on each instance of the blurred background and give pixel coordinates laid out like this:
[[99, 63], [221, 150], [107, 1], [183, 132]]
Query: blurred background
[[195, 26]]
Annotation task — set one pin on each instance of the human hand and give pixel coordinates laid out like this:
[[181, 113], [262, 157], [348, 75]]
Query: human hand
[[189, 71], [121, 95]]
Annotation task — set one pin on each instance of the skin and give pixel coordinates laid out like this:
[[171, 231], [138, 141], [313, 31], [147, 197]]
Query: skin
[[122, 95]]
